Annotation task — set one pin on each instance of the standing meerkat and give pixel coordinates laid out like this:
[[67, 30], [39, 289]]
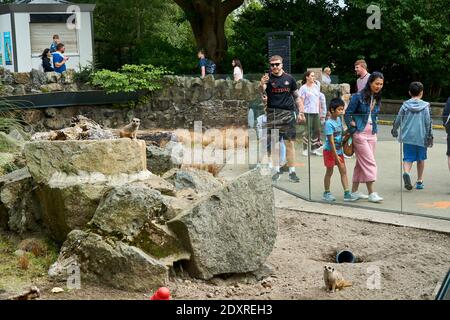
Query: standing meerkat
[[130, 130], [334, 279]]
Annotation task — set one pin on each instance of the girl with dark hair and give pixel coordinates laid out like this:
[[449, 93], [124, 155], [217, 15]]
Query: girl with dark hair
[[238, 71], [46, 63], [361, 118]]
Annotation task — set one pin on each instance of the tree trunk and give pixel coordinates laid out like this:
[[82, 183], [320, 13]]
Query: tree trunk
[[207, 19]]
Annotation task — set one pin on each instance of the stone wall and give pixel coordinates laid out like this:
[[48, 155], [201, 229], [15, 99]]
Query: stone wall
[[23, 83], [183, 100]]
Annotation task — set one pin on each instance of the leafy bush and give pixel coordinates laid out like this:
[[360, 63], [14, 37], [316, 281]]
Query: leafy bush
[[85, 73], [130, 78]]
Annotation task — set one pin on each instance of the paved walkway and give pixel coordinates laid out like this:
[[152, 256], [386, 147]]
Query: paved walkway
[[433, 201], [284, 200]]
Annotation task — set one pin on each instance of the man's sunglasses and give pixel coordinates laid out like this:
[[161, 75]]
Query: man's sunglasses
[[275, 64]]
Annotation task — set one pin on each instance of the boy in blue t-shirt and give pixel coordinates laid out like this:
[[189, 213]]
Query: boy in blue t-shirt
[[333, 154], [59, 60]]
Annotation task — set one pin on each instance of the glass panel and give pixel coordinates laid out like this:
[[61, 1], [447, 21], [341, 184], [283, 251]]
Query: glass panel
[[434, 199]]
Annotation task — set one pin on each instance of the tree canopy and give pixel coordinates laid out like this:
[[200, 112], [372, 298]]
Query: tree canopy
[[412, 44]]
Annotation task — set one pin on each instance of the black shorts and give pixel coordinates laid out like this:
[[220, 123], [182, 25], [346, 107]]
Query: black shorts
[[287, 132], [448, 144]]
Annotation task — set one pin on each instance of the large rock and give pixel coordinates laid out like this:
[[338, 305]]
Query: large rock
[[110, 262], [21, 77], [20, 90], [68, 76], [51, 87], [53, 77], [160, 160], [231, 230], [125, 209], [200, 181], [69, 202], [6, 76], [132, 213], [19, 206], [73, 176], [108, 157], [38, 78]]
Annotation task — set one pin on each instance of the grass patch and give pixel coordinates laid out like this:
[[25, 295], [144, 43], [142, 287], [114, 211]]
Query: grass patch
[[13, 277]]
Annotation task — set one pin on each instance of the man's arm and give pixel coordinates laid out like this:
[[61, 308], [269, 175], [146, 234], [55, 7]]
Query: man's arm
[[446, 112], [348, 116]]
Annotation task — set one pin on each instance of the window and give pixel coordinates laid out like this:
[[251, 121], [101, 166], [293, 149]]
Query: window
[[41, 34]]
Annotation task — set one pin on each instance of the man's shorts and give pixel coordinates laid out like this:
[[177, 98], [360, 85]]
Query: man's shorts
[[448, 145], [329, 160], [413, 153], [286, 132]]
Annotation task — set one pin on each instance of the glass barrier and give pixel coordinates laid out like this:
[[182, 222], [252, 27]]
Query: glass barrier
[[432, 198], [266, 146]]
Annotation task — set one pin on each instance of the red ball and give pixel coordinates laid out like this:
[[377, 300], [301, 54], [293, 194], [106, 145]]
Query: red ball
[[163, 293]]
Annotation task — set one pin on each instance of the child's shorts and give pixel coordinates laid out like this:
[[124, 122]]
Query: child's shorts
[[413, 153], [328, 158]]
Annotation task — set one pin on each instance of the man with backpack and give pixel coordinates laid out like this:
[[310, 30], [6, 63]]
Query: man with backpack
[[207, 66]]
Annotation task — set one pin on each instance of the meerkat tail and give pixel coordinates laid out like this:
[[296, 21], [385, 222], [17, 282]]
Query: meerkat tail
[[345, 283]]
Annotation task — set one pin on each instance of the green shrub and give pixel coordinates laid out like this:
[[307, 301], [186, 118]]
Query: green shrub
[[130, 78]]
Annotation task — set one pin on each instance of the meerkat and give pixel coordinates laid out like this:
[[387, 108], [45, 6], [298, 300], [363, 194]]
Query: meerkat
[[130, 130], [334, 279]]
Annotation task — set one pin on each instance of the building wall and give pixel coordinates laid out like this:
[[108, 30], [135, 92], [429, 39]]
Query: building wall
[[26, 61], [5, 26]]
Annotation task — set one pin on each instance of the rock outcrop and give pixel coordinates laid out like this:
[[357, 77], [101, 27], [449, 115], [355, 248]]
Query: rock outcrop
[[230, 230]]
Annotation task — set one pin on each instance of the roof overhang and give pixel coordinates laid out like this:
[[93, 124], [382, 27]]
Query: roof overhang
[[43, 7]]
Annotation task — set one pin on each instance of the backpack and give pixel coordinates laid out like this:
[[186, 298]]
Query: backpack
[[210, 67]]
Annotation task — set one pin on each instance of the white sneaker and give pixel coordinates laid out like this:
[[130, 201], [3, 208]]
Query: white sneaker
[[360, 195], [374, 197], [316, 152], [305, 153]]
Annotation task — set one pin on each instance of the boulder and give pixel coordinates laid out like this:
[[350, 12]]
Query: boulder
[[160, 160], [114, 263], [38, 78], [51, 87], [199, 181], [8, 90], [230, 230], [157, 183], [19, 90], [21, 77], [68, 207], [6, 76], [19, 206], [51, 112], [107, 157], [53, 77], [55, 123], [68, 76], [131, 213], [124, 210]]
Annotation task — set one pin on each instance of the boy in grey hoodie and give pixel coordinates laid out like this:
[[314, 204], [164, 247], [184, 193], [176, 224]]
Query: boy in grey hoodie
[[414, 119]]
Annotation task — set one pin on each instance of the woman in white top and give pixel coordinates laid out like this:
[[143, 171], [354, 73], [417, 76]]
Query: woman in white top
[[310, 99], [238, 72]]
